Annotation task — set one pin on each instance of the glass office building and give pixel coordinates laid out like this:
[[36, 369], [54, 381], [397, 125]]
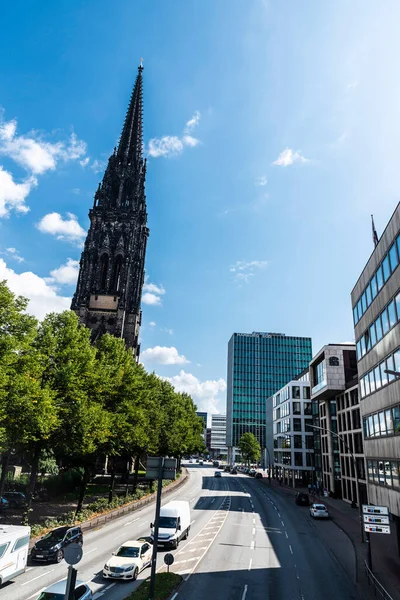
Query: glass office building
[[259, 364]]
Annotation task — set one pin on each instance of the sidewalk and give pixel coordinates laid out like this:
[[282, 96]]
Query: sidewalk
[[385, 555]]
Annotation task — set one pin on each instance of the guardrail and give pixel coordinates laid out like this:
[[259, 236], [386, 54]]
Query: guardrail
[[378, 587]]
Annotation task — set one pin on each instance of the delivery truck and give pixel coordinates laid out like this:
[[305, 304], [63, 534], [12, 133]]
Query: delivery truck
[[174, 524], [14, 547]]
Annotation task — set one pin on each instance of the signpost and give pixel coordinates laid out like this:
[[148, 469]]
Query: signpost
[[376, 520], [169, 560], [72, 554], [158, 468]]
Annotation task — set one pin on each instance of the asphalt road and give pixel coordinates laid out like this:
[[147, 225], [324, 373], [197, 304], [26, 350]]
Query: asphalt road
[[247, 541]]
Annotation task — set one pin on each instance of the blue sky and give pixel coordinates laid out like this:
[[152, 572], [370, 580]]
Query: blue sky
[[259, 208]]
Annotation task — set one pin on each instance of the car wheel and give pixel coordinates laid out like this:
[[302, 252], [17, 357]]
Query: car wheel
[[135, 574], [59, 556]]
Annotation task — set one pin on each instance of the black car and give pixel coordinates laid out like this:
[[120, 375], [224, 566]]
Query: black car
[[234, 471], [302, 499], [258, 475], [51, 546], [15, 499]]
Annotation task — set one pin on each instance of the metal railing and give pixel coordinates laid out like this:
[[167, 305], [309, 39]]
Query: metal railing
[[378, 587]]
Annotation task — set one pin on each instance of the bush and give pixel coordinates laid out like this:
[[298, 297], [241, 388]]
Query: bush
[[65, 482]]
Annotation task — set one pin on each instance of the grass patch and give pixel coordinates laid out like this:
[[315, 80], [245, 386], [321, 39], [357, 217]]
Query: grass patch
[[165, 585]]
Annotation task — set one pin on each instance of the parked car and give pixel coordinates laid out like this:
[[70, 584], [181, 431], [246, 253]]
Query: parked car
[[319, 511], [302, 499], [14, 548], [227, 469], [57, 591], [51, 546], [252, 472], [127, 562], [217, 474], [15, 499], [4, 504], [258, 475], [201, 462], [234, 471]]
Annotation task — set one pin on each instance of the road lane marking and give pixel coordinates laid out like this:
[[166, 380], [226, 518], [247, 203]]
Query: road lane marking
[[174, 596], [283, 524], [130, 522], [290, 548], [36, 594], [38, 577], [252, 545], [254, 531], [250, 563], [120, 536], [254, 521], [110, 586], [287, 537], [279, 514], [92, 550], [192, 499], [244, 592], [212, 500]]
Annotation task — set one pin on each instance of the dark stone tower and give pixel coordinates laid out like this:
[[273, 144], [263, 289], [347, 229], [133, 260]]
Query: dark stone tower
[[111, 275]]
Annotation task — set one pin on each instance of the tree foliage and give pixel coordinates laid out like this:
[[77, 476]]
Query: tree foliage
[[64, 399], [250, 448]]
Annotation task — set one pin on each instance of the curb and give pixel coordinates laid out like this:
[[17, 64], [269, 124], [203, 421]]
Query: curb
[[131, 507]]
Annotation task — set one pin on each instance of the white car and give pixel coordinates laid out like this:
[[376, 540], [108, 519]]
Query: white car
[[319, 511], [57, 591], [127, 562]]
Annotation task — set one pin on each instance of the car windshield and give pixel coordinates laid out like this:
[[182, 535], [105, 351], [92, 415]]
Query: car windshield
[[168, 522], [320, 507], [57, 535], [128, 552], [50, 596]]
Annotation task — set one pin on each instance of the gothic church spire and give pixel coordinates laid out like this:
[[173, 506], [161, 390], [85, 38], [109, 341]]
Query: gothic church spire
[[130, 148]]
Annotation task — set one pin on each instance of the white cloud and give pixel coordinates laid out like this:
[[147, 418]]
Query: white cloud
[[167, 330], [152, 323], [172, 145], [262, 180], [151, 299], [163, 355], [36, 156], [206, 394], [76, 191], [13, 194], [85, 161], [245, 270], [66, 274], [98, 166], [152, 294], [13, 253], [43, 296], [64, 229], [289, 157]]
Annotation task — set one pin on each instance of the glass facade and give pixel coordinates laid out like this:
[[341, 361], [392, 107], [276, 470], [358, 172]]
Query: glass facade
[[259, 364]]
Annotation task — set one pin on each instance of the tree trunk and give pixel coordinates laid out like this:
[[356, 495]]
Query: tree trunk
[[4, 466], [34, 473], [135, 474], [82, 489], [128, 470], [112, 481]]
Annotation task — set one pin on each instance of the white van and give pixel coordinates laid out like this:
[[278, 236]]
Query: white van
[[174, 523], [14, 546]]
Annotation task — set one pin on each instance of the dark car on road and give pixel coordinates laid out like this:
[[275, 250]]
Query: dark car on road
[[15, 499], [234, 471], [4, 504], [51, 546], [217, 474], [258, 475], [302, 499]]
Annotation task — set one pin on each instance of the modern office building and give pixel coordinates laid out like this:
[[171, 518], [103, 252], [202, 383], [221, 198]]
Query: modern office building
[[218, 435], [293, 439], [376, 312], [203, 415], [351, 450], [259, 364], [332, 370]]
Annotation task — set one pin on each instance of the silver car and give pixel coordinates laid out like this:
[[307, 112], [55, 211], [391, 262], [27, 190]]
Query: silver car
[[319, 511], [57, 591]]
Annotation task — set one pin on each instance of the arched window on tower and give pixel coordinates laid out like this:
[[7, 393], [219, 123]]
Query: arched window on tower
[[103, 272], [116, 281]]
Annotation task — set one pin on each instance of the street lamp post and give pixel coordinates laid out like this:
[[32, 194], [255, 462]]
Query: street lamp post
[[355, 470]]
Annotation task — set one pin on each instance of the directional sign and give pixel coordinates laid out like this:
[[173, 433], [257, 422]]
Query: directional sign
[[384, 520], [152, 467], [375, 510], [376, 528]]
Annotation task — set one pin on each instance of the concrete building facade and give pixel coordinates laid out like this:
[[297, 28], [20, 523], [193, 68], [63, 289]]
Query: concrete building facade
[[376, 313], [218, 435]]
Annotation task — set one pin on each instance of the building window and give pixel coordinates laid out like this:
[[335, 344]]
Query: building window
[[377, 378], [296, 408], [306, 393], [307, 407], [298, 459], [384, 472], [298, 442], [296, 392], [103, 272], [296, 424]]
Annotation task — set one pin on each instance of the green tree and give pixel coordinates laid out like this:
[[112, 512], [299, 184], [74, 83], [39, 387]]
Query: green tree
[[250, 448]]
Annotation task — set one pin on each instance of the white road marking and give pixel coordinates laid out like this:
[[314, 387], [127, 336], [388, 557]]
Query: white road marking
[[36, 594], [192, 499], [38, 577], [28, 569], [120, 536], [283, 524], [252, 545], [290, 548], [250, 563], [212, 500], [174, 596], [254, 531], [194, 520], [279, 514], [254, 521], [195, 549], [244, 592], [287, 537], [92, 550], [110, 586], [130, 522]]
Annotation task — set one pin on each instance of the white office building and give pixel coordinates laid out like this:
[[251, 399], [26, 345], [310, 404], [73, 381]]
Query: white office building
[[218, 435]]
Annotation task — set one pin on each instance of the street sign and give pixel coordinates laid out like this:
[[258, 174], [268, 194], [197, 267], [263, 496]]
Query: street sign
[[153, 465], [169, 559], [376, 528], [375, 510], [383, 520], [73, 553]]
